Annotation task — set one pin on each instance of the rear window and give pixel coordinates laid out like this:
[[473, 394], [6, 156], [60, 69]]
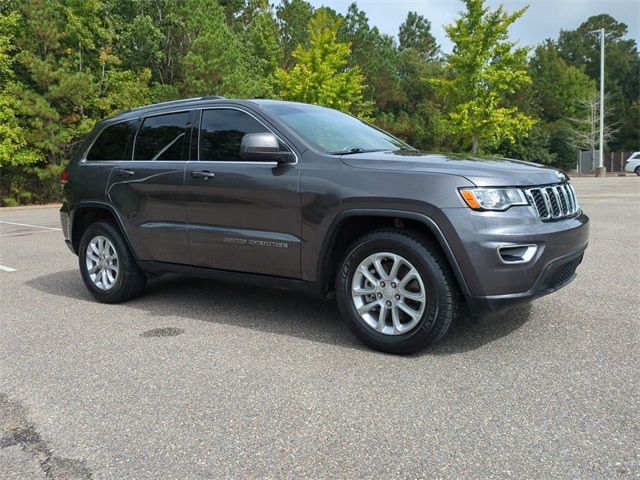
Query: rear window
[[162, 137], [112, 142]]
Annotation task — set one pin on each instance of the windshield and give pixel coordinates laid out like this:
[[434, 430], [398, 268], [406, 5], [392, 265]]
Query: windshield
[[332, 131]]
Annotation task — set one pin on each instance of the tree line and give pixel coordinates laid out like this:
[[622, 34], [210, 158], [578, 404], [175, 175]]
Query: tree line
[[66, 64]]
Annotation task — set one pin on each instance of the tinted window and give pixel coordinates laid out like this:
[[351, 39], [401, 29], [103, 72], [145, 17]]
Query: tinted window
[[221, 132], [112, 142], [161, 137]]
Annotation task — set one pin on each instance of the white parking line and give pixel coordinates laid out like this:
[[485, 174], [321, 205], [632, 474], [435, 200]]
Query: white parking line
[[7, 269], [29, 225], [28, 232]]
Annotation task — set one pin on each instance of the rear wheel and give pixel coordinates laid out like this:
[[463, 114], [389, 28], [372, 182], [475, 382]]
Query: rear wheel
[[396, 292], [107, 266]]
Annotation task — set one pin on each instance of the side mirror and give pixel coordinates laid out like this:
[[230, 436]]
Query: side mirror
[[263, 147]]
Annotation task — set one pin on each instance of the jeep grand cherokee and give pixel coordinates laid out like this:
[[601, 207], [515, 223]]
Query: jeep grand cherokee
[[303, 197]]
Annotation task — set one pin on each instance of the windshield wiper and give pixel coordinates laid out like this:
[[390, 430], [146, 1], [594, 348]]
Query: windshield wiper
[[357, 150]]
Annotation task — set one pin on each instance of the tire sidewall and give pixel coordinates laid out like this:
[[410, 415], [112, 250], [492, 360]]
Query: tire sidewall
[[105, 230], [431, 279]]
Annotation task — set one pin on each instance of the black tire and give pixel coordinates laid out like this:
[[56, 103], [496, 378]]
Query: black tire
[[637, 170], [442, 293], [130, 280]]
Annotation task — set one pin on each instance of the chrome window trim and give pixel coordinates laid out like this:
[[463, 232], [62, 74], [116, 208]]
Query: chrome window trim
[[200, 111]]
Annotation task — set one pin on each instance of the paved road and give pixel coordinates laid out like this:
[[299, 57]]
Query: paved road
[[199, 379]]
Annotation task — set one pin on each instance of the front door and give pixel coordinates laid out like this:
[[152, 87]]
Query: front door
[[148, 191], [243, 215]]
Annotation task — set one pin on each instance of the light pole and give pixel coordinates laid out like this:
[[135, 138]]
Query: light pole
[[601, 171]]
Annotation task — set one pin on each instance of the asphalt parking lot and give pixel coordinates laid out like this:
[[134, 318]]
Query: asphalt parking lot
[[201, 379]]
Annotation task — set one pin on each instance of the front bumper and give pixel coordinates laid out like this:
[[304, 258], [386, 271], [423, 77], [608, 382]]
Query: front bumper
[[493, 286], [555, 275]]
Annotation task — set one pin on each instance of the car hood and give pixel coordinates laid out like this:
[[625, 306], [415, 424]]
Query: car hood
[[480, 171]]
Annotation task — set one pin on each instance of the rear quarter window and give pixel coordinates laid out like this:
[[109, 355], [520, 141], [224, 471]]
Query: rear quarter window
[[113, 142]]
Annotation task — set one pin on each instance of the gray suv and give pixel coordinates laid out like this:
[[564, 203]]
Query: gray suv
[[306, 198]]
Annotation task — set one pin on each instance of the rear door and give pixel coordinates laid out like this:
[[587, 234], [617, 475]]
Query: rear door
[[243, 215], [148, 190]]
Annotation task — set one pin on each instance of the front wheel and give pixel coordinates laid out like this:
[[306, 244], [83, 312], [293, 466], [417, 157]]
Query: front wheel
[[637, 170], [396, 291], [107, 266]]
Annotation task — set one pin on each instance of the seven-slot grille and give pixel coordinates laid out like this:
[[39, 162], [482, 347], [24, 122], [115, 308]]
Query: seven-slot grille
[[554, 202]]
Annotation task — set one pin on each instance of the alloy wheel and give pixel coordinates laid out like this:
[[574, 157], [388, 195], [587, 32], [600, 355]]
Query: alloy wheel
[[102, 263], [388, 293]]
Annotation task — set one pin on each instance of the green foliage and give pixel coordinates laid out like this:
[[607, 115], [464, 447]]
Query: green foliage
[[483, 70], [293, 17], [66, 64], [14, 149], [215, 64], [376, 55], [534, 148], [557, 84], [622, 69], [321, 74], [415, 33]]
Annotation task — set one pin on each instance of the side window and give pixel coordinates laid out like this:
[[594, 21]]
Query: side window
[[161, 137], [221, 132], [112, 142]]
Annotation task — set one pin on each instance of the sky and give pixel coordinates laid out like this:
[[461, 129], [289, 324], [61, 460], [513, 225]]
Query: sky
[[544, 18]]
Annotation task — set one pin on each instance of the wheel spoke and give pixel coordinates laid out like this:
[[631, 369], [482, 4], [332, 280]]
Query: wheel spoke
[[377, 263], [368, 275], [415, 296], [94, 269], [397, 263], [382, 317], [411, 274], [368, 306], [414, 314], [395, 316], [360, 291]]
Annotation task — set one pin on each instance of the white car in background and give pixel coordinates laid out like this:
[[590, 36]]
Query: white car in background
[[633, 164]]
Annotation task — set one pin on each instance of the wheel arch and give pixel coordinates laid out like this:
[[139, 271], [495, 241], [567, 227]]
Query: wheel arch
[[86, 213], [353, 223]]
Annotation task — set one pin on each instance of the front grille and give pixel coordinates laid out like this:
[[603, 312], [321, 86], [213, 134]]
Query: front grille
[[554, 202], [560, 274]]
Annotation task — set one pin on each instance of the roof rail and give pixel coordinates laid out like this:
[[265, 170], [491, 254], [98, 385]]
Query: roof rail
[[171, 102]]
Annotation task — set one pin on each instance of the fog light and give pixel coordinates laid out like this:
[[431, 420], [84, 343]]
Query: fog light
[[517, 253]]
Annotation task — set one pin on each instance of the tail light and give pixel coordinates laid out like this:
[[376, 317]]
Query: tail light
[[64, 177]]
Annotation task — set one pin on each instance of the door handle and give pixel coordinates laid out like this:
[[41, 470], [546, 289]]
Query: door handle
[[123, 172], [203, 174]]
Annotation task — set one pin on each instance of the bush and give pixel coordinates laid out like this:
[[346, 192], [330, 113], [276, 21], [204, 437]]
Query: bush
[[30, 185]]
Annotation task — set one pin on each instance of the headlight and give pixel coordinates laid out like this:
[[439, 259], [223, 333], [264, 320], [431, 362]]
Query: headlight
[[493, 198]]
